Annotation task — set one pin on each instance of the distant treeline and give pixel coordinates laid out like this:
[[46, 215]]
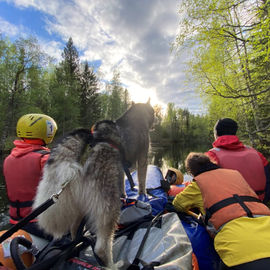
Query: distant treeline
[[69, 91]]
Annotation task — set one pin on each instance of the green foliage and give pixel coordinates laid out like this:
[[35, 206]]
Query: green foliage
[[69, 92], [19, 65], [118, 98], [90, 105], [180, 126], [230, 60]]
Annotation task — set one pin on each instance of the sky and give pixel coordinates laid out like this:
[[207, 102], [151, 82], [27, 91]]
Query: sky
[[133, 37]]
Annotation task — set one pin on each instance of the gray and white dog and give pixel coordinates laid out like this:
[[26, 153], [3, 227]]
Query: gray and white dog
[[62, 166], [134, 126], [103, 184], [94, 190]]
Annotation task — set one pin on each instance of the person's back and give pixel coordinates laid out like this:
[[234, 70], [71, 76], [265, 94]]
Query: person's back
[[23, 167], [235, 217], [22, 171], [230, 153]]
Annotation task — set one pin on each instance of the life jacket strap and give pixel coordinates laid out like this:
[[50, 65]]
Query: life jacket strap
[[259, 192], [19, 204], [228, 201], [42, 152]]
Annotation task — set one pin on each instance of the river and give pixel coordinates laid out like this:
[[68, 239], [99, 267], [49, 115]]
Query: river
[[167, 156]]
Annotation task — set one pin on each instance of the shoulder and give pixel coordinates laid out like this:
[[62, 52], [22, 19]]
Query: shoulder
[[45, 154], [262, 157], [212, 155], [191, 189]]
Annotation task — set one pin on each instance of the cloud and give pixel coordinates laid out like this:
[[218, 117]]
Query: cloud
[[133, 36], [52, 48], [8, 28]]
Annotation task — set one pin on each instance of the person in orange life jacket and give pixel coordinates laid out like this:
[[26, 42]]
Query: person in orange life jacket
[[240, 220], [229, 152], [23, 167]]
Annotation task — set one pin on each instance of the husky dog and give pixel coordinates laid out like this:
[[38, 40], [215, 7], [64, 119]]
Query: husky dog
[[102, 188], [94, 191], [63, 165], [134, 126]]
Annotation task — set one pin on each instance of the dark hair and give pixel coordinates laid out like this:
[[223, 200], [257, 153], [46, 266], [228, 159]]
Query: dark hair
[[195, 161], [225, 126]]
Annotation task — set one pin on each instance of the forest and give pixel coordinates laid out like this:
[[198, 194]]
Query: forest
[[229, 63], [70, 93]]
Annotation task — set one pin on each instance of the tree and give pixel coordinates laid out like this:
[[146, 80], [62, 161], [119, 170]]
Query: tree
[[171, 123], [229, 38], [66, 90], [90, 110], [71, 62], [18, 62], [118, 99]]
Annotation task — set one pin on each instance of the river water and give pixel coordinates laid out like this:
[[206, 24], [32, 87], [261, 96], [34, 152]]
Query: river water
[[167, 156]]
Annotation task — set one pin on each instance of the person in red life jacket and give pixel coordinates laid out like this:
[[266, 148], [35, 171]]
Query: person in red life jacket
[[233, 211], [230, 153], [23, 167]]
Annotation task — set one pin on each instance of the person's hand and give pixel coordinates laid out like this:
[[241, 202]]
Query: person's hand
[[165, 185]]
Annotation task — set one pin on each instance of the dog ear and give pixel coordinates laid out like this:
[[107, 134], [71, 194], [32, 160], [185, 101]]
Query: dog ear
[[148, 101], [132, 103]]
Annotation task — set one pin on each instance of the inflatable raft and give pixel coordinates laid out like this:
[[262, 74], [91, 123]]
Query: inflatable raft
[[150, 236]]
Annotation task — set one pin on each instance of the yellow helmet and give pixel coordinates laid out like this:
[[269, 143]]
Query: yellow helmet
[[178, 180], [36, 126]]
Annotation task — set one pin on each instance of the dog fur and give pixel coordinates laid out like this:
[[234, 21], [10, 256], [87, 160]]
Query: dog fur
[[93, 193], [134, 126], [63, 165], [103, 184]]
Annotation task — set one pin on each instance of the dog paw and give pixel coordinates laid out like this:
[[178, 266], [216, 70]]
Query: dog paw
[[143, 197], [112, 267]]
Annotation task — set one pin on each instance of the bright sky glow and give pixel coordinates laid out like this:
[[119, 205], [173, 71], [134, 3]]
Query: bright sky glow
[[132, 36]]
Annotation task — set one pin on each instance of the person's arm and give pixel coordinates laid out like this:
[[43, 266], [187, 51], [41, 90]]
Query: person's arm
[[264, 160], [267, 176], [43, 160], [190, 197]]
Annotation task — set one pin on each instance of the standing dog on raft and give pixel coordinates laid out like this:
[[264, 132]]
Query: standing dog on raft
[[63, 165], [103, 184], [134, 126]]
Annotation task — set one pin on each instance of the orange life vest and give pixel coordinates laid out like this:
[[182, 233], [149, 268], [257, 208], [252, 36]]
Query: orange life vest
[[5, 256], [226, 196], [22, 176], [247, 161]]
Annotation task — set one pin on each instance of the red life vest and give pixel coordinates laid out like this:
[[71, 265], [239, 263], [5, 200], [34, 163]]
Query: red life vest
[[226, 196], [22, 176], [247, 161], [175, 189]]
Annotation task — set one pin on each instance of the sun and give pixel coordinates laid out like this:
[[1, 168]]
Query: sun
[[141, 95]]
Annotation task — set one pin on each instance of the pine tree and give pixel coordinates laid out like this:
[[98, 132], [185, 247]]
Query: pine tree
[[66, 89], [90, 110]]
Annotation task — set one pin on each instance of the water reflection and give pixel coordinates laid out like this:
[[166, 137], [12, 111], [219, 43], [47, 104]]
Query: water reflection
[[173, 155], [162, 156]]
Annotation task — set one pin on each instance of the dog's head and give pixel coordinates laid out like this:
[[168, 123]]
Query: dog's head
[[71, 146], [140, 115], [106, 130], [83, 134]]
